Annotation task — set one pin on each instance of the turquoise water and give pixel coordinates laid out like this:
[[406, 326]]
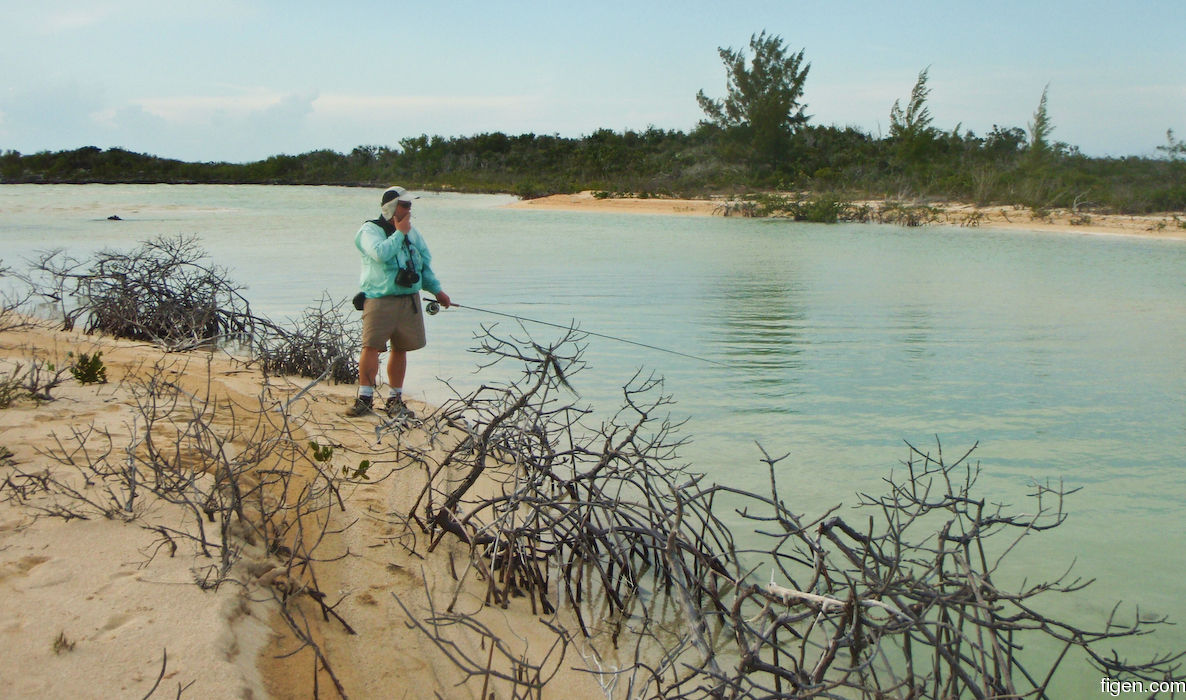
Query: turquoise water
[[1064, 356]]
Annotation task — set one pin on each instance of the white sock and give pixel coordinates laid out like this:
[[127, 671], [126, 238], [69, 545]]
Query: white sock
[[396, 393], [366, 391]]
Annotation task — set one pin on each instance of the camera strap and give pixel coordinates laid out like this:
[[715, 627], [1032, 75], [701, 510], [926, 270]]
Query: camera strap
[[410, 267], [411, 264]]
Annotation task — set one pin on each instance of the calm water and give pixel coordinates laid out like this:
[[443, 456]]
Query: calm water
[[1063, 355]]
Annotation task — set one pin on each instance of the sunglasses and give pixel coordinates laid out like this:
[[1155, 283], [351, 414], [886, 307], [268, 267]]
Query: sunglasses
[[405, 205]]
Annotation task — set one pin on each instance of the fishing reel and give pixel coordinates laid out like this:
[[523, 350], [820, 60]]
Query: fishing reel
[[432, 308]]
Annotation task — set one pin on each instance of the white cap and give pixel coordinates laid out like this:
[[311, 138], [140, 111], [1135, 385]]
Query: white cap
[[393, 195]]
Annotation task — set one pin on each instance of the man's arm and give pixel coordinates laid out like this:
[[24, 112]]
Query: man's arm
[[377, 246]]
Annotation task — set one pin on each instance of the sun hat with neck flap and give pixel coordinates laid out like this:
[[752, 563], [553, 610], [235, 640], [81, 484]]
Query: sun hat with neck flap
[[392, 196]]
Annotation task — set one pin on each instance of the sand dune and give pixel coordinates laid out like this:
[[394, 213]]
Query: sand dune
[[91, 607]]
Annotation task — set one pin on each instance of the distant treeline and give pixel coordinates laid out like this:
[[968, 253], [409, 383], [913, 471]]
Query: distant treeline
[[755, 139], [997, 168]]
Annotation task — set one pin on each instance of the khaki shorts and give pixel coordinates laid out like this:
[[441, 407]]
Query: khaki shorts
[[398, 319]]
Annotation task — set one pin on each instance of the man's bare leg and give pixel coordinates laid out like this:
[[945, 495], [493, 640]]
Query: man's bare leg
[[368, 367], [397, 367]]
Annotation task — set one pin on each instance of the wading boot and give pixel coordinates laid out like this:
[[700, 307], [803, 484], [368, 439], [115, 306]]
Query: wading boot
[[362, 406], [395, 407]]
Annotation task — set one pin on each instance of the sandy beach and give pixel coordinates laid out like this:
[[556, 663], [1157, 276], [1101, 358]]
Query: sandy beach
[[1166, 225], [97, 605]]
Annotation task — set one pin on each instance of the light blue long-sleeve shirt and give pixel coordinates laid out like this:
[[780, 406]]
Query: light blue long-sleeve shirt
[[383, 256]]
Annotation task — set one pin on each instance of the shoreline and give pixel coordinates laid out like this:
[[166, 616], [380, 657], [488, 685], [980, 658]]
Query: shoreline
[[98, 605], [1167, 226]]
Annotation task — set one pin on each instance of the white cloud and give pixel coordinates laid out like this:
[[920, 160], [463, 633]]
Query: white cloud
[[48, 116], [72, 19], [344, 120], [214, 128], [383, 106], [69, 115], [75, 16], [196, 110]]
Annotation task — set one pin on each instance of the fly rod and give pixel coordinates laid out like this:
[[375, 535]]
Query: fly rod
[[433, 307]]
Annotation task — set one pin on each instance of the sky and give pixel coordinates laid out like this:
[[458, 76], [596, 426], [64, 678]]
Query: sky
[[241, 80]]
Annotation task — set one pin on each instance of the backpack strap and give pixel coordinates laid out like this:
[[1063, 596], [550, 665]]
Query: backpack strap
[[387, 226]]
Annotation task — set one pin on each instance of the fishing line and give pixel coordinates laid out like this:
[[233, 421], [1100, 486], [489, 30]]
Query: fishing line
[[433, 307]]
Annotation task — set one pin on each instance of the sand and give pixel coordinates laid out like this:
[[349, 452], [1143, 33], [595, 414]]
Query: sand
[[91, 607], [1167, 225]]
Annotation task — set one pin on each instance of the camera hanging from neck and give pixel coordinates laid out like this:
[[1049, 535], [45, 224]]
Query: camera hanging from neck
[[407, 275]]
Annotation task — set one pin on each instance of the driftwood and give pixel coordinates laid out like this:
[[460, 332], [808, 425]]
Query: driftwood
[[15, 294], [164, 291], [601, 530], [322, 343]]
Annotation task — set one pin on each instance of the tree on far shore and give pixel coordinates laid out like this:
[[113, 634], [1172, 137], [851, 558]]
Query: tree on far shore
[[762, 107], [910, 129], [1040, 129], [915, 120]]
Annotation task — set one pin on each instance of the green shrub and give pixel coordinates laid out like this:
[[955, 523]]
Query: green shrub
[[10, 390], [358, 473], [529, 189], [89, 369], [824, 210], [907, 214], [321, 453]]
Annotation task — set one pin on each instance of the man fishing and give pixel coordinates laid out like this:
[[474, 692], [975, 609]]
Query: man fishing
[[396, 265]]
